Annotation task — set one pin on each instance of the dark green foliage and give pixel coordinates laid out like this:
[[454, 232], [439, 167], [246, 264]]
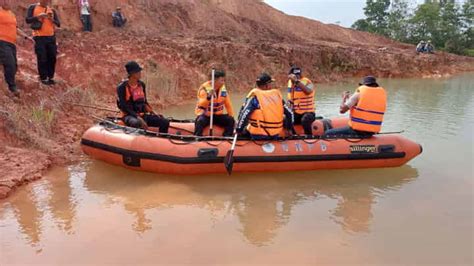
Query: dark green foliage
[[447, 23]]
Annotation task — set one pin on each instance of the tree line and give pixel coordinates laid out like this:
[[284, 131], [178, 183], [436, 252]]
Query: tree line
[[447, 23]]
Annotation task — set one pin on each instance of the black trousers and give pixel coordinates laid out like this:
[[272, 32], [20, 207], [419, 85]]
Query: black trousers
[[225, 121], [306, 120], [118, 23], [346, 132], [86, 22], [151, 120], [9, 61], [46, 52]]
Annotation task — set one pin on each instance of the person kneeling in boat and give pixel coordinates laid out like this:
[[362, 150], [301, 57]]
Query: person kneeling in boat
[[133, 103], [264, 114], [367, 108], [221, 100], [301, 99]]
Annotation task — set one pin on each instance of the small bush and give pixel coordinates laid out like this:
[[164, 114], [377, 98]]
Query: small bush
[[34, 126], [79, 95], [43, 120], [469, 52]]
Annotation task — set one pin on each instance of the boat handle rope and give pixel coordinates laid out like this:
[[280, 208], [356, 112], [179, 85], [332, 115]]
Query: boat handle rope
[[112, 126]]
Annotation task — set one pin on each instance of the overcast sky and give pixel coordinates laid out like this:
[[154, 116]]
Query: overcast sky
[[328, 11]]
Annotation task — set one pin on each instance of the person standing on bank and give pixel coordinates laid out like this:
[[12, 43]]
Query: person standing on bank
[[85, 9], [367, 108], [220, 96], [301, 99], [8, 36], [133, 103], [118, 18], [43, 21]]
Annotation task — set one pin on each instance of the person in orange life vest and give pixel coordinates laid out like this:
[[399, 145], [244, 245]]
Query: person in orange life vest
[[301, 98], [43, 21], [8, 36], [367, 108], [133, 103], [221, 101], [264, 114]]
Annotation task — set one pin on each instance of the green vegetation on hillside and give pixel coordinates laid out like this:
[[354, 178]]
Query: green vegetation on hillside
[[447, 23]]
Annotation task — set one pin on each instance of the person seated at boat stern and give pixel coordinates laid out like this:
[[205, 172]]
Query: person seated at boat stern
[[301, 99], [264, 114], [367, 108], [221, 102], [133, 103]]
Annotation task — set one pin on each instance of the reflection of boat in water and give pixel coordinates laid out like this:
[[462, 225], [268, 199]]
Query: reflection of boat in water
[[178, 153], [47, 200], [263, 203]]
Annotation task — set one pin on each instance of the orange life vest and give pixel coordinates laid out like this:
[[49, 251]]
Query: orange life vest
[[135, 94], [302, 102], [219, 100], [7, 26], [48, 26], [368, 114], [268, 120]]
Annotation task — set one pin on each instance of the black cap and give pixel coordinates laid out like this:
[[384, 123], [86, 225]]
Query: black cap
[[133, 67], [295, 70], [264, 79], [368, 81], [219, 74]]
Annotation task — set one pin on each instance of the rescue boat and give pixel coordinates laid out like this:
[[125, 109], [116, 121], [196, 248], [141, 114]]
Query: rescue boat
[[181, 153]]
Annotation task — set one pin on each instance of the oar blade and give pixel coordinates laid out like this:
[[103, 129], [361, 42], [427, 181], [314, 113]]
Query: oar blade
[[229, 161]]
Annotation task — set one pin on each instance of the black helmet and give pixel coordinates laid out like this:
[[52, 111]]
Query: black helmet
[[219, 74], [369, 81], [133, 67], [295, 70], [264, 79]]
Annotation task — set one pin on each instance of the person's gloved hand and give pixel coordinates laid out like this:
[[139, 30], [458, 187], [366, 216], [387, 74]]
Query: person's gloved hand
[[210, 93], [346, 95], [42, 15], [293, 77]]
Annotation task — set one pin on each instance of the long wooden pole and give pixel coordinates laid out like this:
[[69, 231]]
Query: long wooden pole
[[211, 124]]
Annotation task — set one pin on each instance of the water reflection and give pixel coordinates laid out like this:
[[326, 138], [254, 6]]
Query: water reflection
[[263, 203], [28, 215], [61, 202], [46, 201]]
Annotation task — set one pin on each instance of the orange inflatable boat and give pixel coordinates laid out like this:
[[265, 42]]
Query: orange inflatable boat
[[180, 153]]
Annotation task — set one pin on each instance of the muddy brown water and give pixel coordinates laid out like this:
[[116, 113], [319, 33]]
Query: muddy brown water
[[421, 213]]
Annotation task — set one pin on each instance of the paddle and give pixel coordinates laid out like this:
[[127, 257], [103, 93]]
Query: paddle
[[229, 158], [211, 124]]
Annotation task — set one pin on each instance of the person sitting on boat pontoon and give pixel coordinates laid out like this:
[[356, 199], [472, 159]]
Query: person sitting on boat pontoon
[[301, 93], [133, 103], [264, 114], [221, 101], [367, 108]]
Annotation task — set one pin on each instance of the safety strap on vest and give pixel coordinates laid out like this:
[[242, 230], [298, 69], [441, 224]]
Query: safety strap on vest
[[368, 122], [368, 111], [265, 124]]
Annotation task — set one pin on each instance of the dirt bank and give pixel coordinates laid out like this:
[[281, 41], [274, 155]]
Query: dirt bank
[[178, 42]]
